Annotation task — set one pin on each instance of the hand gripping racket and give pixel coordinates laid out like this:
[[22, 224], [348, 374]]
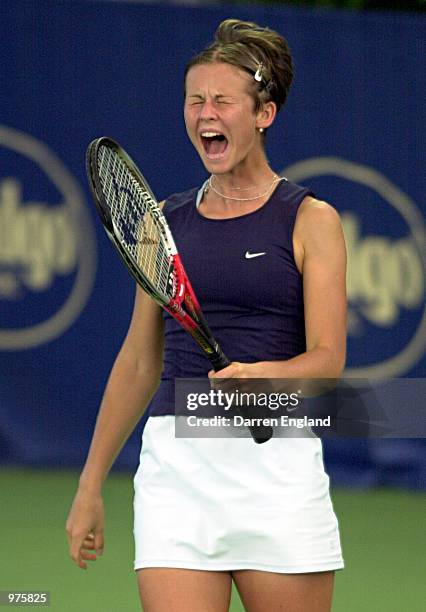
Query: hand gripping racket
[[138, 229]]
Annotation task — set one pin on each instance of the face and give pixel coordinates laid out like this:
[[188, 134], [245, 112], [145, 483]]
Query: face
[[219, 116]]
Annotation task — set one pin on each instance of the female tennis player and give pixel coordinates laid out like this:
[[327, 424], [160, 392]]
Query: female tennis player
[[267, 261]]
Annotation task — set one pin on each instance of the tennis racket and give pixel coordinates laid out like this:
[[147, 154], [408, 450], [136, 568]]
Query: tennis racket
[[139, 231]]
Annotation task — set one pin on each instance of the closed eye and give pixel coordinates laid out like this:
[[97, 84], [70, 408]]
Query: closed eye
[[191, 100], [195, 100], [221, 100]]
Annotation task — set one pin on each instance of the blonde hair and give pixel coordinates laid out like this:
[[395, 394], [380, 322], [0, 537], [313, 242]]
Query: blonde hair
[[261, 52]]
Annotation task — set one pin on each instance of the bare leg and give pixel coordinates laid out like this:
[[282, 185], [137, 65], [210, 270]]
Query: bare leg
[[260, 591], [182, 590]]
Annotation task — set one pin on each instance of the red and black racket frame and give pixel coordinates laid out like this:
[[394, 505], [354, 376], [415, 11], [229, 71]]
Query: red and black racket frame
[[184, 306]]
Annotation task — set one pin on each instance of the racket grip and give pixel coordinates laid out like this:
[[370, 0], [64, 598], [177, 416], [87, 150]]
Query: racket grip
[[260, 434], [219, 360]]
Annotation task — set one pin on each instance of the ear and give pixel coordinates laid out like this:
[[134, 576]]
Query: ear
[[265, 117]]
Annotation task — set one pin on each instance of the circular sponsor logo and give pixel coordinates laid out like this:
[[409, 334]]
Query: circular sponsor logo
[[47, 244], [385, 234]]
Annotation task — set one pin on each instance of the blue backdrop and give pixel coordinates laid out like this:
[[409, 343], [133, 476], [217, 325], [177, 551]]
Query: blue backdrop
[[352, 129]]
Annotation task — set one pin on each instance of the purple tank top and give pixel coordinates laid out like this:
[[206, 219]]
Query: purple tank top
[[245, 278]]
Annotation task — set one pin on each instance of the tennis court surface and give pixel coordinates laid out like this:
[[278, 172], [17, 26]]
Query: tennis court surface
[[383, 535]]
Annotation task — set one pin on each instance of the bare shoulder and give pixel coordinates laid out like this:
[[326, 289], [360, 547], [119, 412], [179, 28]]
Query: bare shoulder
[[315, 220], [316, 215], [318, 229]]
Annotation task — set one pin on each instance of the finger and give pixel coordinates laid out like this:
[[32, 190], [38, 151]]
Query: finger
[[99, 542], [78, 560], [75, 550], [82, 556], [87, 556]]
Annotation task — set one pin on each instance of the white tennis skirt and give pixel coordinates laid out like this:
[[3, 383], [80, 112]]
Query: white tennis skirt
[[225, 504]]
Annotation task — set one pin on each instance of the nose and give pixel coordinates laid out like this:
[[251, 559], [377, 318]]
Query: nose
[[208, 110]]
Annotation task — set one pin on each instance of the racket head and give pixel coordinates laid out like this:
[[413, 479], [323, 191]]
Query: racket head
[[132, 218]]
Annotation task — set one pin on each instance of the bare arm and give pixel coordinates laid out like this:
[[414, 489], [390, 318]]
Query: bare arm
[[133, 381], [320, 256]]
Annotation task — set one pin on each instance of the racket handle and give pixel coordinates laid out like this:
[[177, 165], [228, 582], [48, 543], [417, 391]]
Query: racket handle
[[259, 433], [219, 361]]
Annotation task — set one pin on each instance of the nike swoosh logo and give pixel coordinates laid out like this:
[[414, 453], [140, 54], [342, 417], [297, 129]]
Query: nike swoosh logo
[[249, 255]]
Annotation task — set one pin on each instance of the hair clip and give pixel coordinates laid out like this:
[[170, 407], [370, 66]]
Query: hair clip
[[258, 76]]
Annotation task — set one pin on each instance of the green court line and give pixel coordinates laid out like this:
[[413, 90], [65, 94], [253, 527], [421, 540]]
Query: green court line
[[383, 534]]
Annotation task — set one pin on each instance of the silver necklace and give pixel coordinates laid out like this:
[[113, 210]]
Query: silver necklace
[[245, 188], [276, 179]]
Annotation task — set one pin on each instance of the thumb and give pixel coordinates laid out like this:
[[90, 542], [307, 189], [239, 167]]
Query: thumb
[[228, 372]]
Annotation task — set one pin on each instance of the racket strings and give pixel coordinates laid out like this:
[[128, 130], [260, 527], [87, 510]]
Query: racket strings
[[135, 222]]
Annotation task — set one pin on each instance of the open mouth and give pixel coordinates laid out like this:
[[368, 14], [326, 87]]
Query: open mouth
[[214, 144]]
